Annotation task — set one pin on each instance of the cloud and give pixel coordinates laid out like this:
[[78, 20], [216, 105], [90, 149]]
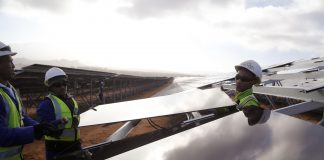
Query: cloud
[[204, 28], [315, 17], [288, 31], [51, 5], [293, 27], [149, 8], [32, 5], [223, 3], [258, 25], [266, 3], [156, 8]]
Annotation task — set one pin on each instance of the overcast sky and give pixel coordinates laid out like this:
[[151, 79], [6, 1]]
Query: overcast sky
[[190, 36]]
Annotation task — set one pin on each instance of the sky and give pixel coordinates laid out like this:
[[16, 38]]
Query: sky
[[187, 36]]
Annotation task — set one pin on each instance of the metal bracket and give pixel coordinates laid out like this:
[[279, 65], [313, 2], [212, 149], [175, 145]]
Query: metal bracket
[[197, 119], [123, 131], [300, 108]]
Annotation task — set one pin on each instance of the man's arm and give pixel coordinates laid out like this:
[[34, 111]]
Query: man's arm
[[45, 111], [13, 136], [46, 114]]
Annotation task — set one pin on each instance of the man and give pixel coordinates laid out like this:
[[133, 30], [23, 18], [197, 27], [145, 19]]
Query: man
[[101, 92], [249, 73], [59, 104], [16, 128]]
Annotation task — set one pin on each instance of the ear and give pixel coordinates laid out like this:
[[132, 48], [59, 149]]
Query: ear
[[255, 81]]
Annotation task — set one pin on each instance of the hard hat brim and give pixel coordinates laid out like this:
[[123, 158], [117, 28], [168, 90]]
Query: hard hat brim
[[238, 67], [53, 80], [6, 53]]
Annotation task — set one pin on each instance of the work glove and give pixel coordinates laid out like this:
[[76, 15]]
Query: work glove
[[43, 129], [57, 132]]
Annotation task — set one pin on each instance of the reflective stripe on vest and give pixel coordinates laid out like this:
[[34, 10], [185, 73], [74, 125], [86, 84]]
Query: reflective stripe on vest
[[62, 110], [12, 153], [69, 132], [15, 120], [245, 101]]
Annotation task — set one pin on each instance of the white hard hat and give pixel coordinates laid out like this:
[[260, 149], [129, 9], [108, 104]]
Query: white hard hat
[[53, 72], [252, 66], [5, 50]]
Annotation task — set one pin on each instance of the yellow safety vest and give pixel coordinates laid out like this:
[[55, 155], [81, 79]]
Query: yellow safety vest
[[246, 99], [61, 111], [15, 120]]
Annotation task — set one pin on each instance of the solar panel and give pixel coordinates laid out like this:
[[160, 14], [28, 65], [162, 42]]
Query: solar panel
[[186, 83], [295, 93], [187, 101], [281, 137], [290, 71]]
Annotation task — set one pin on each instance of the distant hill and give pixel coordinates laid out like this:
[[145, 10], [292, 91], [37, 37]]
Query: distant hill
[[22, 62]]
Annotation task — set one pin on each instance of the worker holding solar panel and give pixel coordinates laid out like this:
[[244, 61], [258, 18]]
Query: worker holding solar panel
[[61, 107], [249, 73]]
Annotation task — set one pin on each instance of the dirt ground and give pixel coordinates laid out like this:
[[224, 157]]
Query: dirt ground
[[96, 134]]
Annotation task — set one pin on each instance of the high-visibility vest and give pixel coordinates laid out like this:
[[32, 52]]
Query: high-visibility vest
[[15, 120], [246, 99], [62, 110]]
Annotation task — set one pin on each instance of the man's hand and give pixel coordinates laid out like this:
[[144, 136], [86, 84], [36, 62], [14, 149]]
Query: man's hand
[[43, 129]]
